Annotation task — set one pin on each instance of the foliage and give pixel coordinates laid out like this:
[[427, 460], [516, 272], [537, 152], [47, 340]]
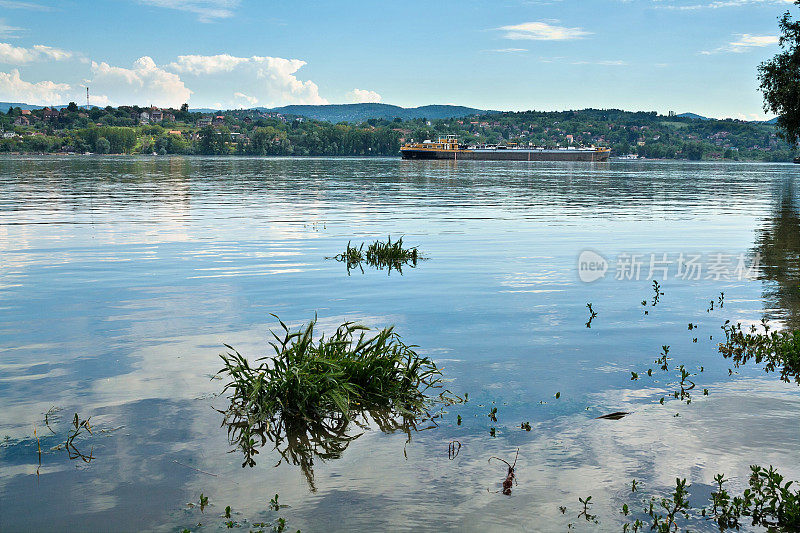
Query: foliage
[[777, 349], [263, 133], [780, 80], [379, 254], [332, 378], [768, 502]]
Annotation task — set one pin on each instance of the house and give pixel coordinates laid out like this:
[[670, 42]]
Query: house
[[26, 112], [50, 113], [169, 117], [203, 122], [9, 135], [219, 120], [174, 132], [156, 115], [22, 121], [144, 117]]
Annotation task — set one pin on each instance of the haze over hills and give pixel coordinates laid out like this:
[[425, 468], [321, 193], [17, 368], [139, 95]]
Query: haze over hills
[[361, 112], [358, 112]]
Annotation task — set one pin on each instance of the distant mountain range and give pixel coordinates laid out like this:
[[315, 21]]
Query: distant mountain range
[[359, 112]]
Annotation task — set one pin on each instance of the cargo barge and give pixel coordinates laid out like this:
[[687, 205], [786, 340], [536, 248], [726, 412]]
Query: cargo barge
[[450, 148]]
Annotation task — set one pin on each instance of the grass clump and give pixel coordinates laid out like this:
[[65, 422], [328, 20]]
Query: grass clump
[[332, 378], [778, 350], [380, 255]]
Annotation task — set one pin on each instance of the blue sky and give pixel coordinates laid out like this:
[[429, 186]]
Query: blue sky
[[682, 55]]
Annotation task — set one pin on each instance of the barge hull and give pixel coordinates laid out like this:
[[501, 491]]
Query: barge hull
[[508, 155]]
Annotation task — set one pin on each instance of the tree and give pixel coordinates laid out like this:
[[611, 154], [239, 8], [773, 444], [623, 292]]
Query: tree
[[102, 146], [780, 80]]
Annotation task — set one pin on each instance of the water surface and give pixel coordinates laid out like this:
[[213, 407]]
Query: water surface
[[121, 278]]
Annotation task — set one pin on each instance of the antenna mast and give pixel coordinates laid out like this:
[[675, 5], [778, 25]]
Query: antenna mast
[[87, 97]]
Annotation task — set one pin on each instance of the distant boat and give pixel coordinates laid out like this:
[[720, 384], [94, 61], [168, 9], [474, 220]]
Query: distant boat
[[797, 160], [450, 148]]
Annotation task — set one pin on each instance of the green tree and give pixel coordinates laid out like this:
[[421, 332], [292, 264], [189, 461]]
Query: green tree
[[780, 80], [102, 146]]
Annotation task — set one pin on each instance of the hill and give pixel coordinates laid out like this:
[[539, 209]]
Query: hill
[[5, 105], [694, 116], [361, 112]]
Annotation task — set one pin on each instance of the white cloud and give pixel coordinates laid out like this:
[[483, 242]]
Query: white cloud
[[269, 79], [144, 84], [13, 4], [749, 41], [14, 89], [252, 100], [744, 43], [8, 31], [17, 55], [199, 65], [717, 4], [542, 31], [603, 62], [206, 10], [507, 50], [363, 96]]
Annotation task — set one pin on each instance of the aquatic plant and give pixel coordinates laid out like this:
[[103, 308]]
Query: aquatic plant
[[779, 350], [768, 502], [305, 396], [309, 378], [511, 476], [592, 315], [380, 255]]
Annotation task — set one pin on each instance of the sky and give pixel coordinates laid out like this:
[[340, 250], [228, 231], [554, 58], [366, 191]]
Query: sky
[[695, 56]]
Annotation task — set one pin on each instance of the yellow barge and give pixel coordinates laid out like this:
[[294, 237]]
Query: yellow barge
[[449, 148]]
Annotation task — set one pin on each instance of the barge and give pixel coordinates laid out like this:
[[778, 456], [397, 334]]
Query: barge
[[450, 148]]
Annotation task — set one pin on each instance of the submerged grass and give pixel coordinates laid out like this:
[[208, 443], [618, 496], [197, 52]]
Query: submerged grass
[[332, 378]]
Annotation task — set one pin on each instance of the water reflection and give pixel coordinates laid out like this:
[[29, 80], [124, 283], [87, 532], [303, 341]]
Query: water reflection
[[299, 441], [120, 278], [778, 243]]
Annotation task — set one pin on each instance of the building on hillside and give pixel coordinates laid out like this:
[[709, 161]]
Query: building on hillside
[[22, 121], [49, 113], [156, 115], [203, 122], [169, 117], [26, 112], [219, 120], [144, 117]]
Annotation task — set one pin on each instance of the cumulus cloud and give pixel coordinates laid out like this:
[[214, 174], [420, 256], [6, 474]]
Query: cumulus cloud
[[542, 31], [363, 96], [251, 100], [206, 10], [14, 89], [745, 42], [269, 79], [144, 84], [17, 55]]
